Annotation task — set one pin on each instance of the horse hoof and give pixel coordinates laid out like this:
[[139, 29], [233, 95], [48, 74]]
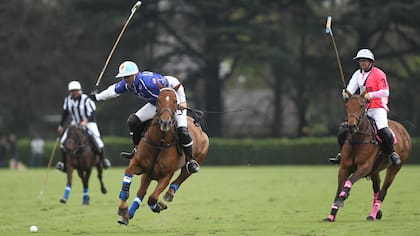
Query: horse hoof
[[370, 218], [122, 211], [63, 200], [123, 221], [162, 206], [169, 197], [103, 190], [379, 215], [328, 220]]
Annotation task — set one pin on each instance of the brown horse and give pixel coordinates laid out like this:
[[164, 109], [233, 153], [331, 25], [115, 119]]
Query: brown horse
[[80, 155], [159, 157], [363, 157]]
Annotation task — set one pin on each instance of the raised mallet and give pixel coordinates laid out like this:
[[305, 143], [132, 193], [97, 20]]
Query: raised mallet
[[133, 10], [328, 30]]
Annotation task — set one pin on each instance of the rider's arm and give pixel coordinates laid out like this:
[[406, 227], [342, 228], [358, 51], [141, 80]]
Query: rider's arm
[[383, 88], [90, 110], [173, 82], [65, 113], [112, 91], [353, 84]]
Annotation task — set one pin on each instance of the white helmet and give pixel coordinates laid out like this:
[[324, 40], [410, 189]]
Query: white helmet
[[365, 54], [127, 68], [74, 85]]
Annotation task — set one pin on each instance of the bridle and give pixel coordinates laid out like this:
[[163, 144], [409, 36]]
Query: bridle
[[77, 138], [361, 117]]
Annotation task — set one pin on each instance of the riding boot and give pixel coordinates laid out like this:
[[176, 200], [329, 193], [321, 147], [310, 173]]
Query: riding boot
[[61, 165], [186, 143], [192, 165], [341, 139], [136, 128], [388, 145], [105, 161]]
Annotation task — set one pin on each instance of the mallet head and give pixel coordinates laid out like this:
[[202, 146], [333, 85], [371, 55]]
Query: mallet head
[[136, 6], [328, 25]]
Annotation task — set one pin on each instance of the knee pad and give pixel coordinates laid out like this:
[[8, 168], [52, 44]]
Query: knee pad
[[133, 121], [184, 137], [342, 133]]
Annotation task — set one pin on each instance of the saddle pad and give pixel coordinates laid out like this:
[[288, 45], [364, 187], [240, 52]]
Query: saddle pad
[[393, 135]]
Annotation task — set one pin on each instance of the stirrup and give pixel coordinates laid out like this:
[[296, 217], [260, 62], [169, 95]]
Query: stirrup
[[128, 155], [395, 158], [106, 163], [60, 166], [336, 159], [192, 166]]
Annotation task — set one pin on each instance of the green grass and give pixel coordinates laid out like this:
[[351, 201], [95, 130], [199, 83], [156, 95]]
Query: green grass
[[275, 200]]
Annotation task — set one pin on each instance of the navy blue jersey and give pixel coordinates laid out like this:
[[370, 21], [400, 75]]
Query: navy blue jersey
[[145, 86]]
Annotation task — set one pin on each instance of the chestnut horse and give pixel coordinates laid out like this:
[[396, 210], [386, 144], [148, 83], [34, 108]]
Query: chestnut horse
[[80, 155], [159, 157], [362, 156]]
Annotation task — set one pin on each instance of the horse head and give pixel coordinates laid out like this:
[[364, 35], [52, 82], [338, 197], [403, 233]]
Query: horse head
[[356, 112], [166, 107], [76, 137]]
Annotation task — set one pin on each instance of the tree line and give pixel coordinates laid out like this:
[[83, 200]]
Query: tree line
[[279, 46]]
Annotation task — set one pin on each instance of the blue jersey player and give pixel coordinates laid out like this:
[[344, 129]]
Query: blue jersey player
[[145, 86]]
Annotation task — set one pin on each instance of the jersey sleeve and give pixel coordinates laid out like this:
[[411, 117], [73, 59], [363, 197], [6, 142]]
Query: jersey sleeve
[[90, 110], [353, 85], [173, 82], [383, 86], [65, 112], [111, 92]]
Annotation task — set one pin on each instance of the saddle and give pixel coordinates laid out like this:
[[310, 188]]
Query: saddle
[[375, 132]]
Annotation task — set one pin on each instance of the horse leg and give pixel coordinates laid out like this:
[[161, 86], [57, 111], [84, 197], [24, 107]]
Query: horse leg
[[173, 188], [133, 168], [376, 212], [376, 185], [144, 185], [343, 173], [67, 190], [85, 181], [153, 202], [100, 169]]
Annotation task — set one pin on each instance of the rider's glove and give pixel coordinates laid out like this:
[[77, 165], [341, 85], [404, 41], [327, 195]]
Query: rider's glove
[[345, 95], [92, 96]]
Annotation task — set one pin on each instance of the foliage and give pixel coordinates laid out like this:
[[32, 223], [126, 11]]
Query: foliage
[[300, 151], [277, 45]]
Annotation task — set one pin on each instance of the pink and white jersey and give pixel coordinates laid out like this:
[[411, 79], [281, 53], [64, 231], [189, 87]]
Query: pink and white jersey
[[375, 83]]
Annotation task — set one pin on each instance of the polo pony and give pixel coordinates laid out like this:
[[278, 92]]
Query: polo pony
[[362, 156], [81, 157], [159, 156]]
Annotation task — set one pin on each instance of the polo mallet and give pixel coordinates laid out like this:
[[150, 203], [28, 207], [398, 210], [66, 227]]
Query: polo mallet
[[133, 10], [328, 30], [41, 193]]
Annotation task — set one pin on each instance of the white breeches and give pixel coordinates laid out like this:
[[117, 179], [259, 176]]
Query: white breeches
[[93, 130], [149, 110], [380, 116]]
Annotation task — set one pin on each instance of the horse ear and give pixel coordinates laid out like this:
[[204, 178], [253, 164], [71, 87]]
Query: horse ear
[[177, 86], [160, 86]]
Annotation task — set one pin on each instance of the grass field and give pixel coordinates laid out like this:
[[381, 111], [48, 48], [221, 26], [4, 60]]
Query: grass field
[[275, 200]]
